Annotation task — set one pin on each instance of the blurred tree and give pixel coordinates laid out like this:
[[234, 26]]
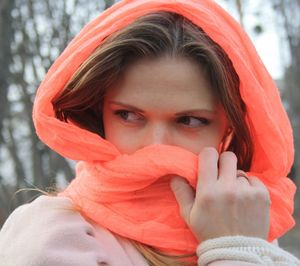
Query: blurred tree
[[32, 34], [239, 6], [6, 35], [289, 19], [287, 14], [240, 10]]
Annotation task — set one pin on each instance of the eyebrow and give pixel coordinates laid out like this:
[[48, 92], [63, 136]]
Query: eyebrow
[[187, 112]]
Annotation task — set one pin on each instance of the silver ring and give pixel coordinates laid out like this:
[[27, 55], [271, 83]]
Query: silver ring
[[241, 173]]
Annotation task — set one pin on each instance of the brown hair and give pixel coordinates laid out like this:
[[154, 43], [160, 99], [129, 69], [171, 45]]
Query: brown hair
[[154, 35]]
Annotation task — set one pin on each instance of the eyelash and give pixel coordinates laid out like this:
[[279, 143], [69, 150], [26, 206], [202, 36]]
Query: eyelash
[[120, 113], [204, 121]]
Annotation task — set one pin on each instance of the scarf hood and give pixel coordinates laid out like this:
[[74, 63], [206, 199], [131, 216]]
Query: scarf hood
[[125, 193]]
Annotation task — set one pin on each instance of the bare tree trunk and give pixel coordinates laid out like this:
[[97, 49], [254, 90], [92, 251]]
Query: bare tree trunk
[[6, 34], [240, 10], [289, 11], [109, 3], [27, 49]]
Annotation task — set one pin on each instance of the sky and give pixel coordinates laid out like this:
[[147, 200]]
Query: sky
[[270, 44]]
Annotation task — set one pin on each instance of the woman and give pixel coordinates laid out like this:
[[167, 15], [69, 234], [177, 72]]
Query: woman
[[159, 102]]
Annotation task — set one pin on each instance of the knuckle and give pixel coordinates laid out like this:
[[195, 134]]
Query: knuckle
[[208, 153], [259, 183], [229, 155], [262, 194], [207, 199], [209, 150], [257, 180]]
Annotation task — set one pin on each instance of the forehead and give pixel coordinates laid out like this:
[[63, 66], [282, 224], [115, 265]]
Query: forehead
[[173, 83]]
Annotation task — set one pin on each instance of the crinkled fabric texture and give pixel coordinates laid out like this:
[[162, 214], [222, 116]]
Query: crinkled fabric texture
[[125, 193]]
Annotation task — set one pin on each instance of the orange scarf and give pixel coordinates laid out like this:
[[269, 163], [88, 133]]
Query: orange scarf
[[125, 193]]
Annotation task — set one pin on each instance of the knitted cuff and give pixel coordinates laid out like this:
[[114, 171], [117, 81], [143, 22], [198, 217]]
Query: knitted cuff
[[243, 248]]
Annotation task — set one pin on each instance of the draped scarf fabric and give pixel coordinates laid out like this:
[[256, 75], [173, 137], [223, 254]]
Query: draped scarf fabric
[[130, 194]]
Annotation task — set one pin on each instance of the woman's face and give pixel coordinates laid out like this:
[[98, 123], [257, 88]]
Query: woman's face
[[163, 101]]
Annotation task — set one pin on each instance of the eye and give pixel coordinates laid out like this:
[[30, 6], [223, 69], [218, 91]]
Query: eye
[[191, 121], [127, 115]]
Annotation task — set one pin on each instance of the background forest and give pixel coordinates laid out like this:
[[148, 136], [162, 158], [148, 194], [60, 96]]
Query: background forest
[[33, 33]]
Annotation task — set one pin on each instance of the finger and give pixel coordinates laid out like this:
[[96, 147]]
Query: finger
[[184, 195], [259, 185], [256, 182], [208, 167], [241, 173], [243, 180], [242, 177], [228, 167]]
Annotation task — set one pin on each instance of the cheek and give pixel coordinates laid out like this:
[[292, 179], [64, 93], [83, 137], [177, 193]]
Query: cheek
[[124, 143], [116, 135], [196, 143], [211, 136]]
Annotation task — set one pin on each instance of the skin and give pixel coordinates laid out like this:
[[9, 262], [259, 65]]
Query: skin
[[146, 85], [170, 101]]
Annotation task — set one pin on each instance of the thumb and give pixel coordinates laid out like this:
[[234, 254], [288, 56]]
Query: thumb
[[184, 195]]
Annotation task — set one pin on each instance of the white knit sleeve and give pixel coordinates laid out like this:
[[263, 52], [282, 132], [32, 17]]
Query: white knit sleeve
[[244, 249]]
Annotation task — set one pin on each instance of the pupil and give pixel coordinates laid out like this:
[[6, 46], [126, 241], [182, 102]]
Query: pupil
[[124, 114], [186, 120]]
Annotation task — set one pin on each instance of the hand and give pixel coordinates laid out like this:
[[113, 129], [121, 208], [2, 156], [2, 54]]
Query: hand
[[48, 231], [223, 204]]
